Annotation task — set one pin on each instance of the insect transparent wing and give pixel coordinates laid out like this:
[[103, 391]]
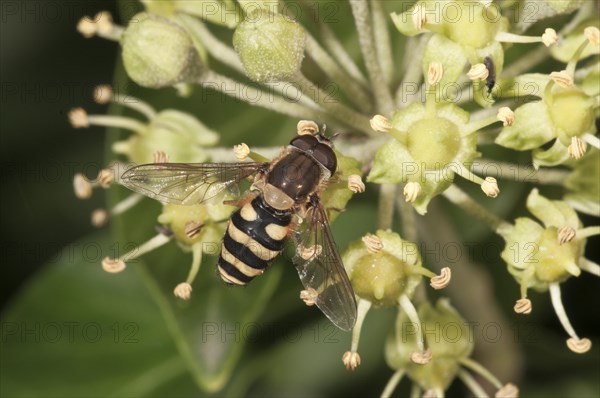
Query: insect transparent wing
[[186, 183], [320, 268]]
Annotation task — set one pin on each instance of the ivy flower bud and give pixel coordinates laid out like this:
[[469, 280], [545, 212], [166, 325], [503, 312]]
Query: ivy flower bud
[[380, 124], [549, 37], [241, 151], [270, 46], [562, 78], [183, 291], [592, 33], [307, 127], [158, 53]]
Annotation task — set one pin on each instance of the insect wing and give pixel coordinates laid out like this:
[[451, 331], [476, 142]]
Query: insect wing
[[186, 183], [320, 268]]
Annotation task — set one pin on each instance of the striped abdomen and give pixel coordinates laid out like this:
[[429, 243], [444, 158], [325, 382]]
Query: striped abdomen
[[255, 236]]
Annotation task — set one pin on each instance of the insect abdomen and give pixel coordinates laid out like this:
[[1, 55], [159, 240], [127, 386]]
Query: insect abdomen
[[255, 236]]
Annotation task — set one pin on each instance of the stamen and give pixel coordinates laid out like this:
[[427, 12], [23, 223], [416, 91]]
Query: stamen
[[309, 296], [241, 151], [563, 78], [579, 346], [575, 344], [161, 157], [126, 204], [421, 357], [392, 383], [78, 118], [490, 187], [482, 371], [588, 232], [565, 234], [99, 218], [104, 94], [592, 33], [82, 186], [523, 306], [117, 265], [193, 228], [355, 183], [577, 148], [419, 17], [589, 266], [373, 243], [435, 73], [549, 38], [183, 291], [380, 124], [86, 27], [442, 280], [506, 116], [307, 127], [591, 139], [411, 191], [508, 391], [472, 384], [478, 72], [351, 358]]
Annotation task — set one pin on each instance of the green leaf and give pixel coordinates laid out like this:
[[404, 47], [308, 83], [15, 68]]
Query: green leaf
[[77, 331]]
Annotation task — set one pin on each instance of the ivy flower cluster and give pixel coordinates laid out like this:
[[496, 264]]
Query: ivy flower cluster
[[419, 141]]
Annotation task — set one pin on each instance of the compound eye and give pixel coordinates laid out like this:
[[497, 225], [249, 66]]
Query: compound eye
[[325, 155], [304, 142]]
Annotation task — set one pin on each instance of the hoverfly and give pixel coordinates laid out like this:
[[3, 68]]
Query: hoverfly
[[283, 202]]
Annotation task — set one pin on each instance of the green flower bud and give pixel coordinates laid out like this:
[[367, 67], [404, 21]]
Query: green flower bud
[[200, 223], [536, 255], [450, 343], [271, 46], [565, 48], [158, 53], [181, 136], [475, 25], [380, 273], [583, 184]]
